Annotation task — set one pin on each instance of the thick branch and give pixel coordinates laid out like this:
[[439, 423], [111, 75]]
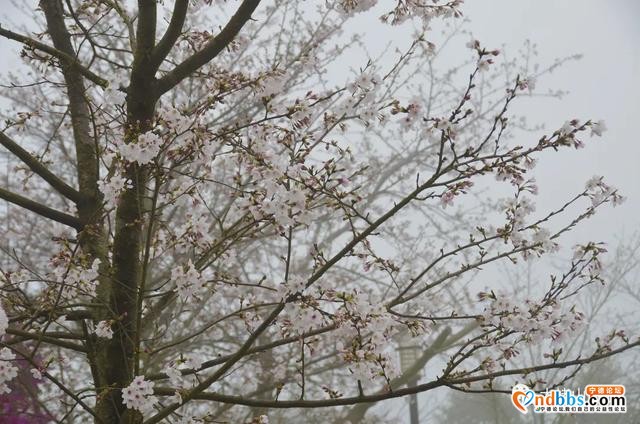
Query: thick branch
[[40, 209], [68, 59], [241, 400], [46, 339], [222, 359], [38, 167], [172, 34], [146, 30], [211, 49], [86, 149]]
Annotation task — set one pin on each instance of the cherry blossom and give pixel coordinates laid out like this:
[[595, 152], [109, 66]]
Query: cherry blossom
[[112, 188], [76, 279], [36, 373], [103, 329], [189, 282], [598, 127], [142, 151], [8, 371], [139, 395], [261, 209]]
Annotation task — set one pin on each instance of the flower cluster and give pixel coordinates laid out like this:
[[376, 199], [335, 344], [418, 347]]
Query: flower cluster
[[189, 281], [272, 84], [569, 131], [103, 329], [112, 187], [113, 94], [425, 10], [351, 7], [286, 206], [365, 338], [599, 192], [303, 318], [446, 198], [517, 209], [190, 362], [295, 284], [598, 127], [276, 196], [8, 371], [75, 278], [534, 322], [139, 395], [144, 150]]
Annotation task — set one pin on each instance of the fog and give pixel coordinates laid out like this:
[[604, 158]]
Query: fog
[[601, 84]]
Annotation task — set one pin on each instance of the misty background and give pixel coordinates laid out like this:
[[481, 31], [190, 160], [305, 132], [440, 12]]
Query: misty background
[[602, 83]]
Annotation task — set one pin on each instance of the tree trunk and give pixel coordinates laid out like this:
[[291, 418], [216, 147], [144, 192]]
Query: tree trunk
[[117, 358]]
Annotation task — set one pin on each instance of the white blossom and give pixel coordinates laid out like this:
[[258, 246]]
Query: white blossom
[[139, 395], [272, 85], [103, 329], [567, 128], [193, 362], [36, 373], [189, 282], [366, 81], [8, 371], [112, 188], [597, 128], [174, 374], [483, 65], [77, 279], [113, 93], [351, 7], [144, 150], [543, 237]]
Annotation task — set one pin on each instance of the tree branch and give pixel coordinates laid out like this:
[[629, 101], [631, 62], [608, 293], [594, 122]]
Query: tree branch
[[170, 37], [40, 209], [64, 57], [240, 353], [439, 344], [47, 339], [322, 403], [86, 150], [210, 50], [222, 359], [146, 29], [38, 167], [61, 386]]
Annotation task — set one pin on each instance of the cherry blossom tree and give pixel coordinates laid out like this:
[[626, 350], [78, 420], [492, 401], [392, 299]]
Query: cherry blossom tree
[[206, 215]]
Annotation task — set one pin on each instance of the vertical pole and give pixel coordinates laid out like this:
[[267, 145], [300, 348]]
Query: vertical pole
[[413, 403]]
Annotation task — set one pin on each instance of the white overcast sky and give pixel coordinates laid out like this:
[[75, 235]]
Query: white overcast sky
[[603, 84]]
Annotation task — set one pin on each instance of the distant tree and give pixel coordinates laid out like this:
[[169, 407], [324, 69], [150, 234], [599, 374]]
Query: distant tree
[[599, 307], [201, 218]]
